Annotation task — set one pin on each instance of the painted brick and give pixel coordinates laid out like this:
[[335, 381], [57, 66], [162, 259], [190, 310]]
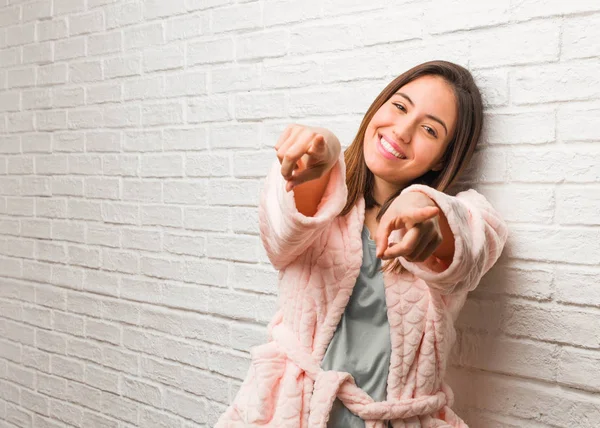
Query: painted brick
[[262, 44], [467, 14], [162, 371], [136, 137], [164, 58], [51, 30], [69, 142], [576, 368], [240, 17], [185, 296], [21, 35], [119, 407], [88, 71], [234, 136], [185, 27], [185, 405], [104, 93], [162, 114], [529, 85], [520, 128], [153, 215], [572, 124], [120, 213], [547, 408], [86, 23], [211, 51], [290, 73], [526, 9], [158, 8], [207, 165], [185, 139], [252, 106], [235, 78], [576, 286], [102, 379], [183, 244], [69, 49], [120, 261], [141, 391], [106, 142], [209, 109], [284, 12]]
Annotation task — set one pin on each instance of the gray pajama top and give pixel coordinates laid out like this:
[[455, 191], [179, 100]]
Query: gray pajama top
[[361, 343]]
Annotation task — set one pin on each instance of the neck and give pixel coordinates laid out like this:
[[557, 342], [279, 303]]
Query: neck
[[382, 190]]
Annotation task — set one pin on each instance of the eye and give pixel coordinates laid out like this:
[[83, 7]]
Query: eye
[[431, 131], [400, 107]]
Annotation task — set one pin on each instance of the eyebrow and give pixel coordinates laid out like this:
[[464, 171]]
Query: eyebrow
[[437, 119]]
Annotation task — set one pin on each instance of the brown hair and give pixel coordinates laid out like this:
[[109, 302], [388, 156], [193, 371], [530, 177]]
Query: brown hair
[[469, 122]]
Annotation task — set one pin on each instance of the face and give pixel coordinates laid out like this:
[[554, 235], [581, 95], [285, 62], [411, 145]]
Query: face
[[409, 134]]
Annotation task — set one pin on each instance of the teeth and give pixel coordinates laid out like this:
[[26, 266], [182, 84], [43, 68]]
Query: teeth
[[390, 149]]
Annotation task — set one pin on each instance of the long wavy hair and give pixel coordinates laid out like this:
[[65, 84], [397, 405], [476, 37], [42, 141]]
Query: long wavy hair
[[469, 122]]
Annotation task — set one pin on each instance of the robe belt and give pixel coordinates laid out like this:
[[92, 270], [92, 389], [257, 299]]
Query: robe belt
[[329, 383]]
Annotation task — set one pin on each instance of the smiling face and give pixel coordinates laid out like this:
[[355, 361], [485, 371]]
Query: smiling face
[[409, 133]]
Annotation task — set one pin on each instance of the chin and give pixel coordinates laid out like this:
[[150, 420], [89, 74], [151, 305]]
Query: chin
[[383, 168], [383, 172]]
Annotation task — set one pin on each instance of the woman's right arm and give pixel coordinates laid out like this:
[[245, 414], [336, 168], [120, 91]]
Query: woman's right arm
[[308, 195], [303, 193]]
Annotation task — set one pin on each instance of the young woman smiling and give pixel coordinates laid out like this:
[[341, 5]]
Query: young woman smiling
[[375, 261]]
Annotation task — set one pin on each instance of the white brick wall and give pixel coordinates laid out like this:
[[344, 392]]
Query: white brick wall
[[134, 138]]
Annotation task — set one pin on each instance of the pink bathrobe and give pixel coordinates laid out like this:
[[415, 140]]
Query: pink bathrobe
[[319, 259]]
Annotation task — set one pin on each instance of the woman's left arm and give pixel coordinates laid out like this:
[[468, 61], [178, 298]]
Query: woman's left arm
[[445, 252], [474, 235]]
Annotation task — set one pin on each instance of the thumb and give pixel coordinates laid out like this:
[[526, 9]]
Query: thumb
[[308, 174], [384, 228]]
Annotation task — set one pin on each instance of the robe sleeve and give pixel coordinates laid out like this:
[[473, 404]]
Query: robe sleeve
[[284, 231], [479, 237]]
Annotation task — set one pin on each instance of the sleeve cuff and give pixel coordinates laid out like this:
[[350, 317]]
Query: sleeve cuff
[[332, 203]]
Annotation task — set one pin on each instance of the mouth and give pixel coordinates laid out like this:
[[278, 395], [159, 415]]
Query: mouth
[[388, 149]]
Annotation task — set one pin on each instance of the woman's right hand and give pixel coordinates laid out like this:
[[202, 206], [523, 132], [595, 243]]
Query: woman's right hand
[[306, 153]]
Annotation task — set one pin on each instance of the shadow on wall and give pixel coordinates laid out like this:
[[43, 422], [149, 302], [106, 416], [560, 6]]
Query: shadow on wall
[[483, 355]]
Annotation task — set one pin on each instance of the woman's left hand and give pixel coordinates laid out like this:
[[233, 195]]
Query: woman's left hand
[[419, 216]]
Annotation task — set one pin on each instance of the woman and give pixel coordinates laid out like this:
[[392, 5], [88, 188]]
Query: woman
[[355, 343]]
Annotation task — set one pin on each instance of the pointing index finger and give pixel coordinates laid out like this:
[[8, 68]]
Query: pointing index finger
[[420, 215]]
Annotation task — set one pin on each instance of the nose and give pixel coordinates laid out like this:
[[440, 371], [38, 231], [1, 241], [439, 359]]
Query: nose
[[403, 132]]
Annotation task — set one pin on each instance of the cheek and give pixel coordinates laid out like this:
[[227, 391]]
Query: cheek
[[426, 152], [381, 118]]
